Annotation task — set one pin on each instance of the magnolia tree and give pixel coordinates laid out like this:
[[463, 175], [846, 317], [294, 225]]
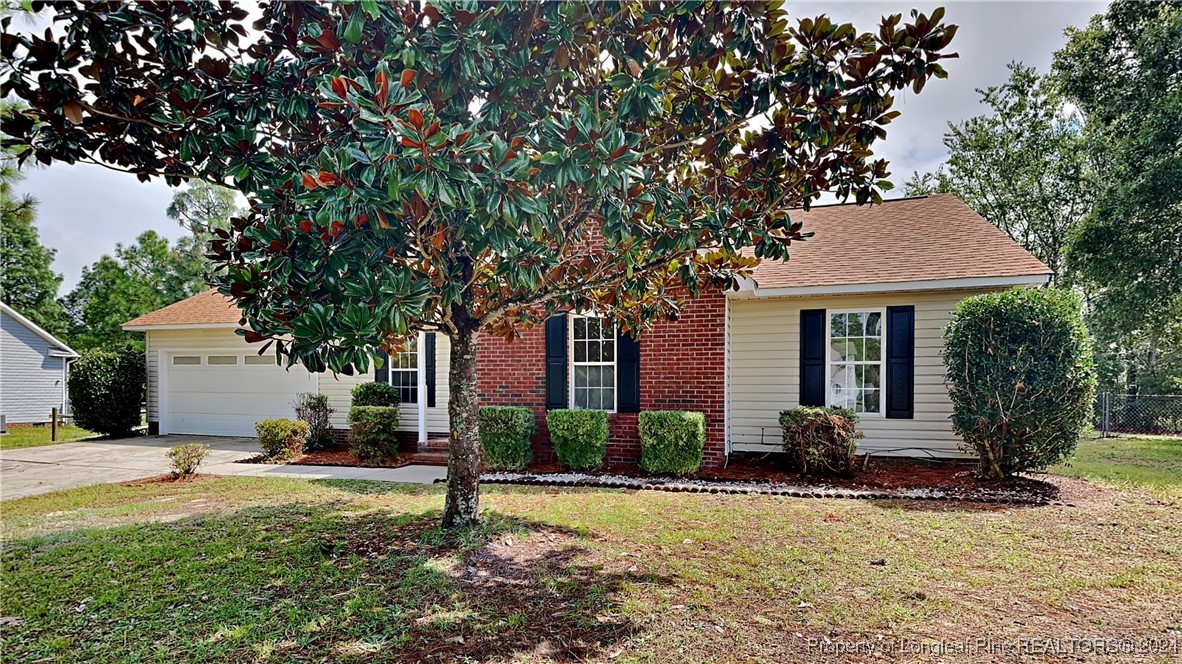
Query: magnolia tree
[[472, 167]]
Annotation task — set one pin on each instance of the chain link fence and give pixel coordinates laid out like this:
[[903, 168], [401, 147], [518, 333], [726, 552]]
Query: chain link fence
[[1152, 414]]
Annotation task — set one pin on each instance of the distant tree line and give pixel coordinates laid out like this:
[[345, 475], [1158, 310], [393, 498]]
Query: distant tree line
[[1081, 166]]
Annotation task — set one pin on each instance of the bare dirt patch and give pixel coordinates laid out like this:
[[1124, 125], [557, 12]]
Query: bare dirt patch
[[169, 478]]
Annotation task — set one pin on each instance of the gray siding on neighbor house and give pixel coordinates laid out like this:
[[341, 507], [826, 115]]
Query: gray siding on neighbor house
[[31, 382]]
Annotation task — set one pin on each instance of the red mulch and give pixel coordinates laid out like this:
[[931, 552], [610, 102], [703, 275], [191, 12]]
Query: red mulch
[[333, 456], [880, 473]]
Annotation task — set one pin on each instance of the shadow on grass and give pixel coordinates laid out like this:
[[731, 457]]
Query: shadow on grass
[[297, 582]]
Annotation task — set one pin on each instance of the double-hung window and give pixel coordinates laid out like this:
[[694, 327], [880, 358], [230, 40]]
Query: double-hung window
[[404, 372], [593, 363], [855, 360]]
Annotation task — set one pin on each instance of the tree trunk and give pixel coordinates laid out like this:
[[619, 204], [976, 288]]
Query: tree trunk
[[463, 408]]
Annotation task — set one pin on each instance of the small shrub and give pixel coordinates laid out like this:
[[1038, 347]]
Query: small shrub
[[579, 437], [374, 430], [376, 394], [107, 390], [820, 440], [1021, 377], [314, 409], [504, 437], [671, 441], [282, 438], [186, 458]]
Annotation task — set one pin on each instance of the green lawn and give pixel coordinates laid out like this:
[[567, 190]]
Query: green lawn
[[251, 569], [37, 436], [1150, 463]]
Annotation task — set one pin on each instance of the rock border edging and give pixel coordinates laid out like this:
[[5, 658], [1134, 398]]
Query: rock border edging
[[764, 489]]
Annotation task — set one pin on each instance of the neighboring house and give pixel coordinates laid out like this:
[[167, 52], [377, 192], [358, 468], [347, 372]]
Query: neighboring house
[[853, 319], [34, 366]]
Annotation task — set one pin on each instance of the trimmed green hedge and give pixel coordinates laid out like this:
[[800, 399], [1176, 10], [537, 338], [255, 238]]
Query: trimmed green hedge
[[820, 440], [106, 390], [504, 437], [376, 394], [1021, 377], [374, 430], [671, 441], [282, 438], [579, 437]]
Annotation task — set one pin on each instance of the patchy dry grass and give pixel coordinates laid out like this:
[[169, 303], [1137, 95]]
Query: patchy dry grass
[[281, 570]]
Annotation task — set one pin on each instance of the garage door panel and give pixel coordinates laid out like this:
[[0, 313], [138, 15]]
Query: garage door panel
[[228, 399]]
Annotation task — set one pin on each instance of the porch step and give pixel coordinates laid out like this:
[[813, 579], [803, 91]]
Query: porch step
[[426, 458], [433, 445]]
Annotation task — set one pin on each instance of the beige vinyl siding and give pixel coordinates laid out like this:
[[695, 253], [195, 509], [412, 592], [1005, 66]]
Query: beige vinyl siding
[[338, 388], [764, 372]]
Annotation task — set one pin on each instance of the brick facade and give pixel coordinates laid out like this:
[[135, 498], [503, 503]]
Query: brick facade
[[682, 367]]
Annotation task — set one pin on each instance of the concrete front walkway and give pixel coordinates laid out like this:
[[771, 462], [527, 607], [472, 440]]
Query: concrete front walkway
[[34, 470]]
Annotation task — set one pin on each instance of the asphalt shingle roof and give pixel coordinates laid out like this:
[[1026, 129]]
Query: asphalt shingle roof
[[911, 239], [930, 238]]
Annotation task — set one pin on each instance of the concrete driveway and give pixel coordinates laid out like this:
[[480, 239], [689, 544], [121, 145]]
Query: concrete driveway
[[33, 470]]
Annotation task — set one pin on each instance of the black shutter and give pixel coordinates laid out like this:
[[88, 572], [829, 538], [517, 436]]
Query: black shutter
[[429, 367], [381, 374], [556, 362], [812, 357], [627, 374], [900, 362]]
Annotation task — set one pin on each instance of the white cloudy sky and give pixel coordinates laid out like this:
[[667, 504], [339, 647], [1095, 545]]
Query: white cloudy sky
[[86, 210]]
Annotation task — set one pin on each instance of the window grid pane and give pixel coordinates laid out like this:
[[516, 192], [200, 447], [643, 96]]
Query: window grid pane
[[855, 360], [404, 373], [593, 366]]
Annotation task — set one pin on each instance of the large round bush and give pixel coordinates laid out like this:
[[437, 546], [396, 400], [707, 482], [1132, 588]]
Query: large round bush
[[1020, 376], [107, 390]]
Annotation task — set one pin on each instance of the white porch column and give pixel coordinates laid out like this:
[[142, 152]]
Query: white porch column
[[421, 374]]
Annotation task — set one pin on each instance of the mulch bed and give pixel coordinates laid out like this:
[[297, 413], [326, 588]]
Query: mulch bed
[[333, 456], [912, 479], [168, 478]]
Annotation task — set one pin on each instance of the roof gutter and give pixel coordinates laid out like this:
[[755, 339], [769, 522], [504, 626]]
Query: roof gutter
[[749, 289], [181, 326]]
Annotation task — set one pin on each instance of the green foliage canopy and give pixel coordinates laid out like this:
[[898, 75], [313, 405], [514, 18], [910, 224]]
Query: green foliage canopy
[[411, 165], [1122, 70]]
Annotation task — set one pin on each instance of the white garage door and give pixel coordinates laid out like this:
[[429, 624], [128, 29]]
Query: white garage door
[[224, 393]]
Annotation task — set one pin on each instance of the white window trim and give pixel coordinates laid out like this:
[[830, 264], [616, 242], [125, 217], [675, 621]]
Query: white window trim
[[417, 371], [570, 362], [882, 390]]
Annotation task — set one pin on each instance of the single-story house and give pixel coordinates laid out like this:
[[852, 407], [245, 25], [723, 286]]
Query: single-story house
[[853, 319], [34, 366]]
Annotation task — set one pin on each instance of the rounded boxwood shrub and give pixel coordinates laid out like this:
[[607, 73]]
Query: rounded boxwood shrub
[[819, 440], [671, 441], [374, 433], [282, 438], [376, 394], [1021, 377], [107, 390], [504, 437], [579, 437]]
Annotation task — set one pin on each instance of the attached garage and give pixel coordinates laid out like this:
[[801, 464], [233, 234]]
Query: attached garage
[[224, 392], [204, 379]]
